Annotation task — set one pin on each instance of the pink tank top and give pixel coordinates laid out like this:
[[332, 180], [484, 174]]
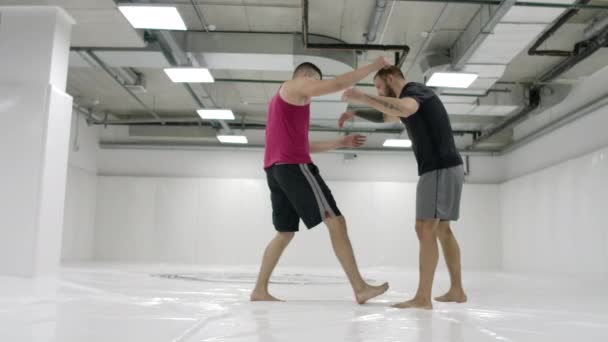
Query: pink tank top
[[287, 133]]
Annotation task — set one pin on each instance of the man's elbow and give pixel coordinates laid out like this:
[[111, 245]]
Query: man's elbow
[[389, 119], [338, 84], [407, 113], [409, 109]]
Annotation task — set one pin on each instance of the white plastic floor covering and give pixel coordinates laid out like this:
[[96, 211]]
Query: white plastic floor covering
[[177, 303]]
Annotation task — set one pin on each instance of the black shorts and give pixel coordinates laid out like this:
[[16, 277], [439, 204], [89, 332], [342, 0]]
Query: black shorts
[[297, 191]]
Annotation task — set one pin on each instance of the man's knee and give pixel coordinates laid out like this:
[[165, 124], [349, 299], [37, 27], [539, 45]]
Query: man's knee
[[336, 222], [285, 237], [443, 231], [425, 229], [336, 227]]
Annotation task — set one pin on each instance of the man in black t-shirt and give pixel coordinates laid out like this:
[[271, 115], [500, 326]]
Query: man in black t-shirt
[[439, 167]]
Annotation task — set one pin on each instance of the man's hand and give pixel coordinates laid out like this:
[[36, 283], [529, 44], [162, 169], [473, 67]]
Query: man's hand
[[382, 62], [352, 95], [353, 140], [348, 115]]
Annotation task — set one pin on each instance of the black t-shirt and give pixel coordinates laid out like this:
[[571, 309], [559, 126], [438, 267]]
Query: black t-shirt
[[430, 130]]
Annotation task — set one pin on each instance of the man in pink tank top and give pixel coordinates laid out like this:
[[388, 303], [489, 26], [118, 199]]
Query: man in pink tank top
[[297, 190]]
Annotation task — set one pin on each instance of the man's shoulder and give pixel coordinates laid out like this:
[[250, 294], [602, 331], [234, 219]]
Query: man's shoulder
[[415, 89], [415, 86], [288, 93]]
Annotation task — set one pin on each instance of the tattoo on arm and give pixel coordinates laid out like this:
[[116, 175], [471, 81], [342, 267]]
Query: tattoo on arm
[[383, 103]]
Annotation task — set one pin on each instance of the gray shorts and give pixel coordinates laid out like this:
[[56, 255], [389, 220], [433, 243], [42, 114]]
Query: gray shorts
[[438, 194]]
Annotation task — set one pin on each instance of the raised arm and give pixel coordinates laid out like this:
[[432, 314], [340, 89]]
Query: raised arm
[[308, 87]]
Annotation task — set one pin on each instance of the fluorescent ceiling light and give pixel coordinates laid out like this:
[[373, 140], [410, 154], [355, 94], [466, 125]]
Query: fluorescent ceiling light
[[451, 80], [397, 143], [232, 139], [216, 114], [189, 75], [153, 17]]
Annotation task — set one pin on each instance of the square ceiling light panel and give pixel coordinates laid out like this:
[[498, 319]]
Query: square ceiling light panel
[[153, 17], [451, 80], [189, 75]]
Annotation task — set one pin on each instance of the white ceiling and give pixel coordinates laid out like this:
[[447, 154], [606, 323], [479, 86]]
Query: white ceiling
[[100, 24]]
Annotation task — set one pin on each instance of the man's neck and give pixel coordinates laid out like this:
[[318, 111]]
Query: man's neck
[[398, 88]]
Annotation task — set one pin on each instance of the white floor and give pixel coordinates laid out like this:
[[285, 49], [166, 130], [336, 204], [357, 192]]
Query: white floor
[[149, 303]]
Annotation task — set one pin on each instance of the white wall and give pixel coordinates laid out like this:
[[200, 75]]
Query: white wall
[[213, 207], [81, 192], [228, 221], [554, 220], [553, 204]]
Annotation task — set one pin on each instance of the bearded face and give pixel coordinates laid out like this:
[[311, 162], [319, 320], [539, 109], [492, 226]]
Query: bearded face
[[383, 88]]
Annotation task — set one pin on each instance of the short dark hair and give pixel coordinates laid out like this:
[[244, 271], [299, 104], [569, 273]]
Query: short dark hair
[[308, 66], [392, 70]]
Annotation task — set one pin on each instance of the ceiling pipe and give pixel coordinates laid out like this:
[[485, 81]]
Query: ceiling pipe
[[241, 80], [583, 50], [188, 122], [563, 18], [200, 16], [182, 145], [576, 114], [255, 81], [374, 22], [595, 27], [532, 104], [587, 48], [91, 118], [343, 46], [371, 85], [387, 22], [544, 4], [252, 126], [427, 40], [177, 57], [482, 25], [117, 79], [519, 3]]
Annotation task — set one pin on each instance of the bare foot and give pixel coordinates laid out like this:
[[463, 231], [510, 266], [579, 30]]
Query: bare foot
[[370, 292], [457, 296], [262, 297], [415, 303]]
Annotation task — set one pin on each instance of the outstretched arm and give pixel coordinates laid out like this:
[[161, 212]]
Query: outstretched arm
[[367, 114], [352, 140], [388, 105]]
